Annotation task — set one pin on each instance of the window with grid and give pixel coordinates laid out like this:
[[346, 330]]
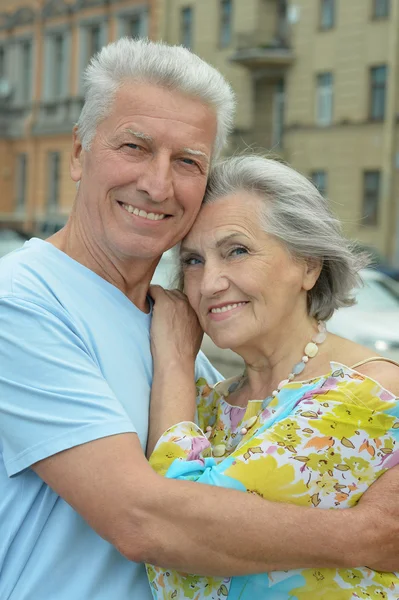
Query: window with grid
[[319, 179], [53, 185], [226, 14], [327, 14], [186, 27], [378, 88], [381, 9], [371, 197], [324, 99]]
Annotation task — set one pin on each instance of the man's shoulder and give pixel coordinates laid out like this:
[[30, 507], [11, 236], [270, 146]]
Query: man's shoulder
[[22, 272]]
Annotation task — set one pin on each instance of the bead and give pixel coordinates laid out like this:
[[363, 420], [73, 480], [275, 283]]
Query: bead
[[298, 368], [321, 326], [305, 359], [319, 337], [244, 431], [274, 393], [251, 422], [291, 376], [209, 428], [219, 450], [282, 384], [311, 350]]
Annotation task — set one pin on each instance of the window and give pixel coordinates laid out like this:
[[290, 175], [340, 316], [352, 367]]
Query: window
[[371, 197], [134, 25], [58, 66], [226, 10], [319, 179], [26, 79], [327, 14], [93, 40], [279, 105], [381, 9], [186, 31], [53, 188], [2, 62], [378, 85], [324, 99], [20, 182]]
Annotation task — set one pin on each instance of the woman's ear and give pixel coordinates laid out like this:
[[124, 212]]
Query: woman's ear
[[312, 272]]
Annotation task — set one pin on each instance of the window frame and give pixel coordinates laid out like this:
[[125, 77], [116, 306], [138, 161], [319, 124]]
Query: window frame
[[184, 26], [223, 42], [375, 195], [53, 184], [374, 88], [386, 13], [314, 175], [324, 94], [21, 182], [322, 6]]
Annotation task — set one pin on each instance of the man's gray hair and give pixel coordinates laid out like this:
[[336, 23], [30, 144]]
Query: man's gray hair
[[297, 215], [142, 61]]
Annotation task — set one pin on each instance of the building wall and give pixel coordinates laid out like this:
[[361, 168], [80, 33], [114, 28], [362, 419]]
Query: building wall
[[353, 142], [40, 124]]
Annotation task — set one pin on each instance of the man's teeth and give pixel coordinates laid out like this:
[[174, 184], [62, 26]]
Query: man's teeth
[[142, 213], [227, 307]]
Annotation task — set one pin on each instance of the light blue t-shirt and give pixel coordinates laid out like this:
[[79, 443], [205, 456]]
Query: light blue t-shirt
[[75, 366]]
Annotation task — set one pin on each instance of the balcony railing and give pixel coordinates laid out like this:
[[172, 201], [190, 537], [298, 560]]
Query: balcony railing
[[257, 49]]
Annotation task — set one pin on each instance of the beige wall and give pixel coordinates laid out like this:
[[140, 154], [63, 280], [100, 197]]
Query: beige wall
[[352, 144]]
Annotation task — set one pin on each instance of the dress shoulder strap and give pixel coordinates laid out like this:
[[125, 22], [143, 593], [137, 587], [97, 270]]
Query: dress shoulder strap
[[375, 359]]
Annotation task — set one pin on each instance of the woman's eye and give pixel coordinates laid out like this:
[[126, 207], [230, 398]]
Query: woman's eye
[[191, 261], [238, 251]]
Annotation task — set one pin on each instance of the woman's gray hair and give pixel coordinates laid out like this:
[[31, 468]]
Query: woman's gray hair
[[297, 215], [172, 67]]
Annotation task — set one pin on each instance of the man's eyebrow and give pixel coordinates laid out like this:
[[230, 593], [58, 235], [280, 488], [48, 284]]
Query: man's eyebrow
[[139, 135]]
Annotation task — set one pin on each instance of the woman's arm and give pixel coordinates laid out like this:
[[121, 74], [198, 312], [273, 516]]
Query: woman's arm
[[175, 341]]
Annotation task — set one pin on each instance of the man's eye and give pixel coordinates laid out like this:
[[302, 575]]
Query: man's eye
[[133, 146], [189, 161]]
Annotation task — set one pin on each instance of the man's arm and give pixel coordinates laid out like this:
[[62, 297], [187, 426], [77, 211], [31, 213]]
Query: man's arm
[[188, 526]]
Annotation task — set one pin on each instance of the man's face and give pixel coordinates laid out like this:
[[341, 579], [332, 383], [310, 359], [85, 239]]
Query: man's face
[[144, 177]]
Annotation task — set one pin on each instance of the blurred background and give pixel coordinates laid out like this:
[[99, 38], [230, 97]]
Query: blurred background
[[317, 83]]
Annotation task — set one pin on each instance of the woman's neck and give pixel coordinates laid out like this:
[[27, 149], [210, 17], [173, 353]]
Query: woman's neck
[[270, 359]]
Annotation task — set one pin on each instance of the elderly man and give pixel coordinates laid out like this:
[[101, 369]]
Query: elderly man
[[80, 508]]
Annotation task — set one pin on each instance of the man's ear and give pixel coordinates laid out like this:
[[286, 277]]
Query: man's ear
[[77, 154], [312, 272]]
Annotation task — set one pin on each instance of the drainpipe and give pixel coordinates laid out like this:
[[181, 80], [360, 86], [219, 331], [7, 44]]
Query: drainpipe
[[389, 140]]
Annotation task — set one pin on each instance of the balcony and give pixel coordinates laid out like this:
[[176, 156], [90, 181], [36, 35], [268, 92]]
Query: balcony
[[258, 50]]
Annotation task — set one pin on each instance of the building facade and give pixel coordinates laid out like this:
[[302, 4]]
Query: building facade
[[44, 47], [341, 121], [248, 41], [316, 82]]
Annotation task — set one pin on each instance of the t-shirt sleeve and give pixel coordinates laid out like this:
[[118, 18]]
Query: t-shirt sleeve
[[53, 395], [204, 369]]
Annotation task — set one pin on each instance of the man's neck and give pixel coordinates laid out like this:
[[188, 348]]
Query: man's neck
[[131, 277]]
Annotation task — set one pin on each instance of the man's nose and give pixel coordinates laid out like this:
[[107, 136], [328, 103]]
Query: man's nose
[[214, 280], [156, 179]]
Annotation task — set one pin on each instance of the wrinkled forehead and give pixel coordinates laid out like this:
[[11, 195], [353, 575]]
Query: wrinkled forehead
[[239, 214]]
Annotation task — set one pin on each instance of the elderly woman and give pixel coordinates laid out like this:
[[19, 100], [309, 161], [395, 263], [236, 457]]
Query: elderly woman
[[314, 418]]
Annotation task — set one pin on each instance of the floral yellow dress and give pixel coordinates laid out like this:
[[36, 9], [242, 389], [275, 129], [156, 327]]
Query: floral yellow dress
[[319, 443]]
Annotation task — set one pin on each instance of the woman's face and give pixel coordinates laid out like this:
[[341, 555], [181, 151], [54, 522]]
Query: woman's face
[[241, 282]]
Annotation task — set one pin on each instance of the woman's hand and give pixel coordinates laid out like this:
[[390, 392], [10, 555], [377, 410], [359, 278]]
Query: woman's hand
[[175, 330]]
